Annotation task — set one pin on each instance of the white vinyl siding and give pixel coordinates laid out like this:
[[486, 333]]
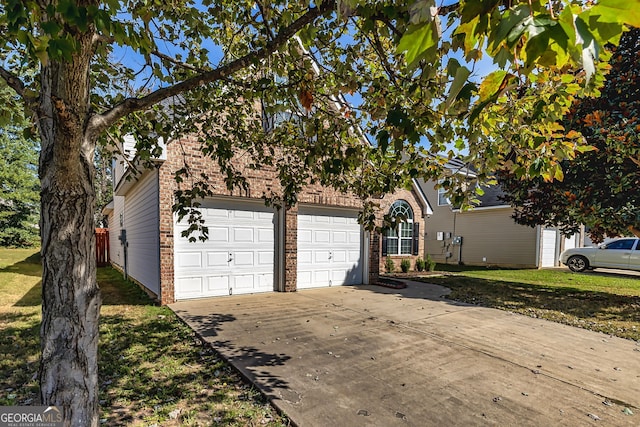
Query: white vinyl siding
[[141, 220]]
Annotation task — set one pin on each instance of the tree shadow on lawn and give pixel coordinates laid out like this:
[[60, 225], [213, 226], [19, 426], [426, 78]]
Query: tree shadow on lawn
[[600, 311], [113, 289], [152, 368], [30, 266], [19, 354]]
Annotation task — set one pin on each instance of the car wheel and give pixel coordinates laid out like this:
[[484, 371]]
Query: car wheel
[[577, 263]]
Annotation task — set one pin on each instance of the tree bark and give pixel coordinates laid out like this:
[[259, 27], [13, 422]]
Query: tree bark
[[634, 230], [70, 295]]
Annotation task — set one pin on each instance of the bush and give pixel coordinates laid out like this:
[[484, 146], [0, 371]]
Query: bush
[[389, 265], [420, 264], [430, 263], [405, 265]]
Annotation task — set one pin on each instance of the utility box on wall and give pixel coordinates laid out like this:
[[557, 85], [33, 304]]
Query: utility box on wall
[[457, 240]]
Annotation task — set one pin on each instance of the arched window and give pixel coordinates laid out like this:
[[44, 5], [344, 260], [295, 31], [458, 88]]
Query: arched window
[[402, 239]]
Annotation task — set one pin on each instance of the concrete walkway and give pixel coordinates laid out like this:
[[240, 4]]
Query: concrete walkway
[[372, 356]]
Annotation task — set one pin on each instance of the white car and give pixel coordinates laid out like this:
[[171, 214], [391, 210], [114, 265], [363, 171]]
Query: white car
[[620, 253]]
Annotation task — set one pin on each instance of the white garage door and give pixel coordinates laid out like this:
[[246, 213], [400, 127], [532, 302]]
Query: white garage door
[[238, 257], [329, 248], [548, 247]]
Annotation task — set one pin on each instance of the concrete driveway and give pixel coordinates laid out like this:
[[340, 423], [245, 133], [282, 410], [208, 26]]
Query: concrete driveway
[[372, 356]]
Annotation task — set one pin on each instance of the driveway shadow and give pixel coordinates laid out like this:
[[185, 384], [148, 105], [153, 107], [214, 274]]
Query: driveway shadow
[[250, 361]]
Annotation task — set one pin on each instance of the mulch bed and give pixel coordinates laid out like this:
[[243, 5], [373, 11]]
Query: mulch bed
[[390, 283]]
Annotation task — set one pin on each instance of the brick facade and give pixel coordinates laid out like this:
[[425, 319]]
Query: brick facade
[[410, 197], [264, 181]]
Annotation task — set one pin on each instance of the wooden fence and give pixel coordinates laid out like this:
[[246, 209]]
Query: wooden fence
[[102, 246]]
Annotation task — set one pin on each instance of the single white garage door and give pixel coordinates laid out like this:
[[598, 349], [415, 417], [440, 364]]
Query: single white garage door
[[238, 257], [548, 247], [329, 248]]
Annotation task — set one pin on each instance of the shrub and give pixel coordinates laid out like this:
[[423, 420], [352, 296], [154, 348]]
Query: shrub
[[405, 265], [430, 263], [420, 264], [389, 265]]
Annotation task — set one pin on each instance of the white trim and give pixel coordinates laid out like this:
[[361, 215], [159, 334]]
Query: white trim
[[423, 198], [538, 243], [365, 257], [280, 253], [482, 208]]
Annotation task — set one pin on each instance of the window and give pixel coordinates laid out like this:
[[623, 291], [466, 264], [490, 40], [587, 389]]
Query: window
[[443, 200], [400, 240], [624, 244]]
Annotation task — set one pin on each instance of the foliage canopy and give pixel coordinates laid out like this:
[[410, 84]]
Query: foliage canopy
[[601, 186]]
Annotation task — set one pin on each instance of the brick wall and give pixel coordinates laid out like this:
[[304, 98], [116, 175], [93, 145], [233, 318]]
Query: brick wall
[[418, 218]]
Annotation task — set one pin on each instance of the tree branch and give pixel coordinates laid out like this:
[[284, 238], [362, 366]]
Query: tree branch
[[13, 82], [99, 123]]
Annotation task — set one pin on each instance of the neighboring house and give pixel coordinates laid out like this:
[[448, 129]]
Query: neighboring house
[[488, 235], [251, 247]]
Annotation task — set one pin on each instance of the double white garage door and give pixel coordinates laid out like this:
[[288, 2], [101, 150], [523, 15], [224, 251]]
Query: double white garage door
[[242, 250]]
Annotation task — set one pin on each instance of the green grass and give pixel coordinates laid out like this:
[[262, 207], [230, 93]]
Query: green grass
[[151, 366], [601, 302]]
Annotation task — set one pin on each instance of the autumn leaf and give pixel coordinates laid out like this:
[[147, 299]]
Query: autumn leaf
[[306, 98]]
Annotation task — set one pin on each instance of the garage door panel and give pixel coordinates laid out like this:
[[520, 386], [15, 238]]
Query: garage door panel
[[322, 236], [265, 235], [304, 279], [217, 259], [242, 259], [189, 260], [354, 237], [189, 286], [304, 236], [321, 256], [340, 237], [321, 278], [339, 256], [243, 282], [265, 258], [305, 257], [265, 281], [218, 234], [216, 213], [243, 235], [217, 285], [242, 214], [238, 257]]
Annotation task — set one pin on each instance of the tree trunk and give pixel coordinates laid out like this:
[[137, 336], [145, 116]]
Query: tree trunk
[[70, 296], [634, 230]]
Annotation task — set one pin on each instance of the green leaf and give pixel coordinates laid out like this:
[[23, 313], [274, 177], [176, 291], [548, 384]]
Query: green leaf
[[459, 81], [619, 11], [510, 20], [536, 47], [491, 84], [418, 40], [473, 9]]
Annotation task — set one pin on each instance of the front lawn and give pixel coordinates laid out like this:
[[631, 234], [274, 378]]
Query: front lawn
[[153, 369], [606, 303]]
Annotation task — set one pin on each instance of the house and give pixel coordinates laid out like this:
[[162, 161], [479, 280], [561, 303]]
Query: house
[[488, 235], [251, 247]]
